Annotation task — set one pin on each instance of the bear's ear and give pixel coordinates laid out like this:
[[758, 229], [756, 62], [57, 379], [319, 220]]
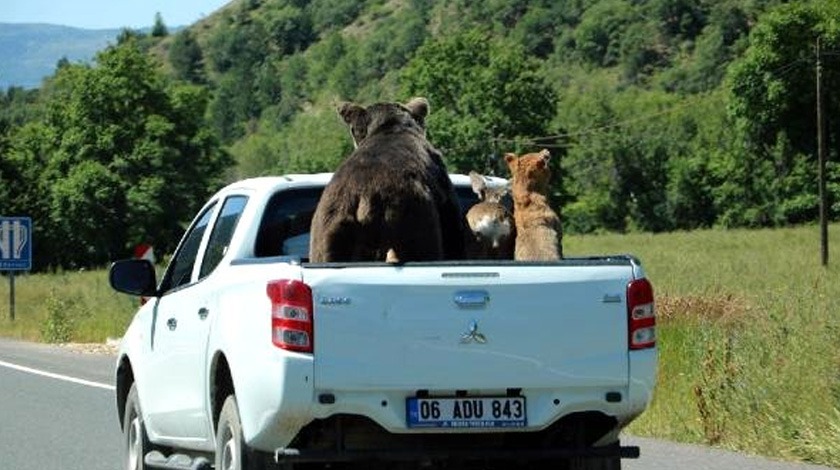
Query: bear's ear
[[510, 158], [350, 112], [356, 118], [419, 109]]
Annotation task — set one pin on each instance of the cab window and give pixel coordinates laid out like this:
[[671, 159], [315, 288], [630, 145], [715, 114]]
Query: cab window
[[222, 233], [180, 268]]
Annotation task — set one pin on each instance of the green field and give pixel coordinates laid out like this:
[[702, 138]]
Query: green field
[[749, 333]]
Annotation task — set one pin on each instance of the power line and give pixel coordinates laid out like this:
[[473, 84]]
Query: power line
[[781, 71]]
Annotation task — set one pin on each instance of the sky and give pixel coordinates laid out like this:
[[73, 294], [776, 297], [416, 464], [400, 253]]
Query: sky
[[107, 14]]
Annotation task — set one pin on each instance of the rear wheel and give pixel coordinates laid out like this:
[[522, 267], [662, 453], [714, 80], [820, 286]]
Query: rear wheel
[[231, 451], [135, 442]]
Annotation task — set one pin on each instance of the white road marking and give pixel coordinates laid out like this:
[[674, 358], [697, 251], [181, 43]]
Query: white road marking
[[51, 375]]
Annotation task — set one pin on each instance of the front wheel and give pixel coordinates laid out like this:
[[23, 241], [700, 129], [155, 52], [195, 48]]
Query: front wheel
[[231, 451], [135, 442]]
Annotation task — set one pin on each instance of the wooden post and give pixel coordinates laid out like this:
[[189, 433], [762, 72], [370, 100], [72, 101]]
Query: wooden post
[[12, 295], [821, 157]]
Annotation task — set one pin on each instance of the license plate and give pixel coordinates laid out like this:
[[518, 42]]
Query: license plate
[[466, 412]]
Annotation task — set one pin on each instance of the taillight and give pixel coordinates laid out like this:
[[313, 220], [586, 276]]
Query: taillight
[[291, 315], [640, 314]]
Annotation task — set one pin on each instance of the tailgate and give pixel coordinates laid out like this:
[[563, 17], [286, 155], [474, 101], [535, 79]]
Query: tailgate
[[451, 327]]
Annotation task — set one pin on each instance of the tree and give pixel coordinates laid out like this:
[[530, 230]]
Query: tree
[[289, 28], [119, 157], [598, 36], [159, 29], [186, 57], [480, 90], [773, 100]]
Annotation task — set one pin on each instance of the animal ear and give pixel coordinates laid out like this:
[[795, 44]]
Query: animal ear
[[356, 118], [510, 158], [350, 112], [419, 109], [546, 155], [478, 184]]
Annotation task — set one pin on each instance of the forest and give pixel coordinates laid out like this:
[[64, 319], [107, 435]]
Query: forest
[[660, 115]]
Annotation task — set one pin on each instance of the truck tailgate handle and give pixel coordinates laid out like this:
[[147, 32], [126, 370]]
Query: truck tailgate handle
[[472, 298]]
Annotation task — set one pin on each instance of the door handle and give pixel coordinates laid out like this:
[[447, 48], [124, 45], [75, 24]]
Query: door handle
[[172, 323], [202, 313]]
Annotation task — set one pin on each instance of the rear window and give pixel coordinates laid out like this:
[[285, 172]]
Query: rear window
[[284, 229]]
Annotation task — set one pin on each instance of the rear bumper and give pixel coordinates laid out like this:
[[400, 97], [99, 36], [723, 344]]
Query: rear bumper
[[286, 455], [387, 408], [348, 438]]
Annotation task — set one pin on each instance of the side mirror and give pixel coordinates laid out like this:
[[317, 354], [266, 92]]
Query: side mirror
[[133, 276]]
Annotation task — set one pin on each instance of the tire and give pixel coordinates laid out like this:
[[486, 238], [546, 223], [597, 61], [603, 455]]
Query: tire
[[231, 451], [135, 441]]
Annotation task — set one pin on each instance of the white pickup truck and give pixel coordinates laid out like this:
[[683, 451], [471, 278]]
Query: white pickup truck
[[246, 356]]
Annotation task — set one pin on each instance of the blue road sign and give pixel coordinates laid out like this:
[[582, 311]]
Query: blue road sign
[[15, 243]]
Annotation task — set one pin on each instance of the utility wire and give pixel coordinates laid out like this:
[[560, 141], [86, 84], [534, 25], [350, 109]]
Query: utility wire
[[780, 72]]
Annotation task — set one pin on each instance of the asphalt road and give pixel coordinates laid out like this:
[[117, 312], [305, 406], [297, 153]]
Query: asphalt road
[[58, 412], [65, 421]]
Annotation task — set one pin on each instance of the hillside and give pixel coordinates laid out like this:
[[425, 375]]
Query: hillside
[[30, 52], [660, 115], [663, 115]]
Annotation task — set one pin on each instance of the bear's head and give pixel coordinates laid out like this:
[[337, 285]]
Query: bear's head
[[364, 122], [530, 171]]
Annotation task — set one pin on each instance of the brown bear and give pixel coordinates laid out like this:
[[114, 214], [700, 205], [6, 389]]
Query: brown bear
[[492, 229], [538, 233], [391, 199]]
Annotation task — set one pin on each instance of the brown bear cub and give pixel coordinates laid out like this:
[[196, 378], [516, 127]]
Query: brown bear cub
[[538, 233], [391, 199], [492, 229]]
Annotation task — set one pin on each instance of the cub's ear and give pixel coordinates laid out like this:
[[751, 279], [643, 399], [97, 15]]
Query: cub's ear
[[545, 156], [419, 109], [510, 158]]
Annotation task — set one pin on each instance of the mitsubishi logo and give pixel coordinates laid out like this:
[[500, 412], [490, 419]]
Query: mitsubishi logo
[[473, 335]]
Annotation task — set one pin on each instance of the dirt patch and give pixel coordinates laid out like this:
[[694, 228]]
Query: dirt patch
[[727, 308], [109, 347]]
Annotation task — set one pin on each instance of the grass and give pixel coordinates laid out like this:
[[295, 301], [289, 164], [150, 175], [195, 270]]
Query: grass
[[65, 306], [749, 329]]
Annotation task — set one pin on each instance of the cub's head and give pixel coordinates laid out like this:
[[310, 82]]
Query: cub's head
[[530, 171], [364, 122]]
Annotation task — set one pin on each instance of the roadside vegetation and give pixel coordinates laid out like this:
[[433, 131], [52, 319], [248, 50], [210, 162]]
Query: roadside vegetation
[[748, 324], [748, 331]]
